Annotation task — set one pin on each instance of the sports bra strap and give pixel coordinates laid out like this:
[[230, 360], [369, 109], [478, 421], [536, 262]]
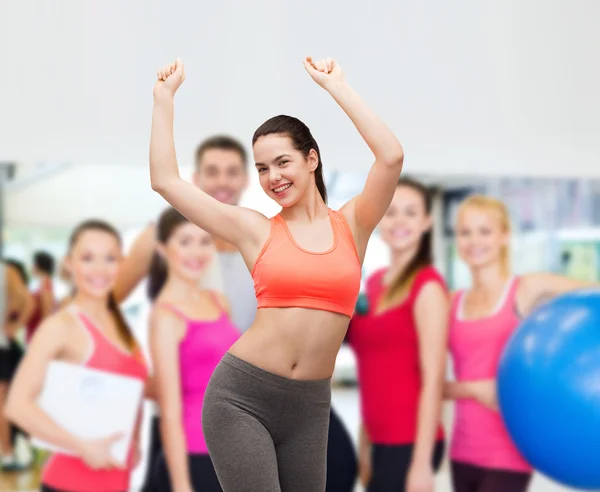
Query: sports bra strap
[[342, 226], [172, 309], [83, 319]]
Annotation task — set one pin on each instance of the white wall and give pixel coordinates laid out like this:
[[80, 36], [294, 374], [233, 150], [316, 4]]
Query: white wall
[[119, 194], [470, 86]]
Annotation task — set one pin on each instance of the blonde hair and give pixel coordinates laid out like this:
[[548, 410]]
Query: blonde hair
[[498, 208]]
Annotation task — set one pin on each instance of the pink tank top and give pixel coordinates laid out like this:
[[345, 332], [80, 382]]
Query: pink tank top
[[64, 472], [202, 348], [479, 436]]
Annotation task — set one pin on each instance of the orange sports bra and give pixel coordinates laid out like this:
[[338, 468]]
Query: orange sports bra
[[286, 275]]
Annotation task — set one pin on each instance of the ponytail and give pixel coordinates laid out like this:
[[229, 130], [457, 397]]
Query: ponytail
[[123, 328], [157, 276]]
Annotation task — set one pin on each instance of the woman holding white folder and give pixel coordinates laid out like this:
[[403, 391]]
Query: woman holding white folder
[[90, 332]]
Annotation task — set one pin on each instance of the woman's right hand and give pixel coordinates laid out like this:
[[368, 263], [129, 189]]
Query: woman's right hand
[[96, 453], [170, 77]]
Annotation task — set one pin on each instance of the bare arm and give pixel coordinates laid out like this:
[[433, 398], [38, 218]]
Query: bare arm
[[454, 390], [164, 346], [536, 288], [372, 203], [367, 209], [47, 303], [19, 300], [482, 391], [150, 390], [364, 456], [136, 264], [236, 225], [432, 330], [21, 407]]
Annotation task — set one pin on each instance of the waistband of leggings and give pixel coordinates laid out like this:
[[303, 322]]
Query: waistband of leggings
[[276, 379]]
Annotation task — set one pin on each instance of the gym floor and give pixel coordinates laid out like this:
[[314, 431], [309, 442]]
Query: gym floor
[[345, 402]]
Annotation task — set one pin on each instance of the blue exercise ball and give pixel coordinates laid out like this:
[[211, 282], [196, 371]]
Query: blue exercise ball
[[549, 389]]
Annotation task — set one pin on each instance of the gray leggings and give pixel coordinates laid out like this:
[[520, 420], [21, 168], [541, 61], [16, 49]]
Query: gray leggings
[[266, 432]]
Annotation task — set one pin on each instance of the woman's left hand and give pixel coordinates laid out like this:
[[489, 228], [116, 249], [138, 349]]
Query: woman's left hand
[[420, 479], [324, 72]]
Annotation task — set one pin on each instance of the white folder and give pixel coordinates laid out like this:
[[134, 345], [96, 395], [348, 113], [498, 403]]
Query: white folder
[[91, 404]]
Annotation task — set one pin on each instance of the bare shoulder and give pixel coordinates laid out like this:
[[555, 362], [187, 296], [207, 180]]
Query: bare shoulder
[[57, 327], [254, 218], [348, 210], [532, 285], [161, 314], [432, 293], [164, 322], [257, 228]]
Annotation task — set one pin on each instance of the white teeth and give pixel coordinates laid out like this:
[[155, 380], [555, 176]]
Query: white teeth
[[279, 189]]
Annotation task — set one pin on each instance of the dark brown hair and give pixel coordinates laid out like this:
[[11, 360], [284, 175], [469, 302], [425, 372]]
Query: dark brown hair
[[302, 140], [222, 142], [168, 221], [424, 257], [99, 225]]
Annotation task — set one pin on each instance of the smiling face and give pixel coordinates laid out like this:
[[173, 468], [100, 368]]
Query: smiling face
[[222, 174], [406, 220], [93, 262], [187, 251], [482, 236], [285, 174]]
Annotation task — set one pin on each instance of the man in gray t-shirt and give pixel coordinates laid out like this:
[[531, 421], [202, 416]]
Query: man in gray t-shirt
[[221, 170]]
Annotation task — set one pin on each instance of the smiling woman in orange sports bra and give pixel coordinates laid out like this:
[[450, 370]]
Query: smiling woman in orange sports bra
[[266, 410]]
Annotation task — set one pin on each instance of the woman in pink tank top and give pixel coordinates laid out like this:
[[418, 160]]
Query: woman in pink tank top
[[189, 334], [90, 332], [484, 458]]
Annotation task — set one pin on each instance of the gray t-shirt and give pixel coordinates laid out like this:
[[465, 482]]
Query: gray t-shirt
[[230, 276], [238, 287]]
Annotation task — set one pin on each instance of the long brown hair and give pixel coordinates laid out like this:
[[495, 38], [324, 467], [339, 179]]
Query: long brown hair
[[168, 222], [124, 331], [401, 283]]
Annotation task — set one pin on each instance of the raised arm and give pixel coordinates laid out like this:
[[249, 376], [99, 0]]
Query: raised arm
[[21, 408], [136, 264], [366, 210], [164, 346], [236, 225]]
